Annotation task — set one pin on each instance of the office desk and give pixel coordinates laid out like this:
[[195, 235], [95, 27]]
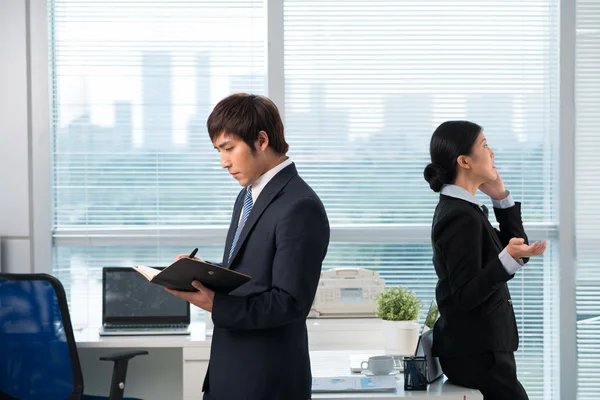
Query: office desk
[[174, 368], [437, 391], [336, 363], [176, 365]]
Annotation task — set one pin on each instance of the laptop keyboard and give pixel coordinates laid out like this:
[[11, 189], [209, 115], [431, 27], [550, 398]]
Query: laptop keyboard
[[147, 326]]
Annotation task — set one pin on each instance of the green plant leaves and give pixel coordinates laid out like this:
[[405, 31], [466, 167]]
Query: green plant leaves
[[398, 304]]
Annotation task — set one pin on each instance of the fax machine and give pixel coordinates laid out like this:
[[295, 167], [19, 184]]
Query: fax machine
[[347, 293]]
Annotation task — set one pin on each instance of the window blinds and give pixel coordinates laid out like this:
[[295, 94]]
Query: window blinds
[[587, 196], [367, 82], [365, 85]]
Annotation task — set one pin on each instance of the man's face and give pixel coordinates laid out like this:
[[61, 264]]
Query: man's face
[[241, 162]]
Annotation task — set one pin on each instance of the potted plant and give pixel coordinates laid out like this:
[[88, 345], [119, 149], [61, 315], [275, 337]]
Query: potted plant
[[399, 309]]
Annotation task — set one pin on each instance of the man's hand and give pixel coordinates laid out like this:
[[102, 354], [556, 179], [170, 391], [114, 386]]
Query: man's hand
[[494, 189], [518, 249], [179, 257], [203, 298]]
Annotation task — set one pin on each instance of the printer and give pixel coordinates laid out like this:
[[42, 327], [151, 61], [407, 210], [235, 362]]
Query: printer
[[347, 293]]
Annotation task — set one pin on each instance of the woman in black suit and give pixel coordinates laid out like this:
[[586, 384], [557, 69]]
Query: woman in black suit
[[476, 335]]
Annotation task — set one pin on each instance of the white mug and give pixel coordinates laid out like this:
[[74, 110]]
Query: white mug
[[379, 365]]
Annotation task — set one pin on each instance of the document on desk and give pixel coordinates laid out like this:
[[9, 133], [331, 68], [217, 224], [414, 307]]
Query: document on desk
[[354, 384]]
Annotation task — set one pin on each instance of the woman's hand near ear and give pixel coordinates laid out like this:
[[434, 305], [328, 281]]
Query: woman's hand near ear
[[494, 189]]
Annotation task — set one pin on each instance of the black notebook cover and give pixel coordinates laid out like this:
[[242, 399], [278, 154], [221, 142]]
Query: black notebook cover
[[181, 273]]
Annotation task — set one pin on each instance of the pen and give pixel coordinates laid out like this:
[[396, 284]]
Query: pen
[[193, 253]]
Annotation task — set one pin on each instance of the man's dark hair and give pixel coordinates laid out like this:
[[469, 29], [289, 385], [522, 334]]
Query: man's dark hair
[[245, 115]]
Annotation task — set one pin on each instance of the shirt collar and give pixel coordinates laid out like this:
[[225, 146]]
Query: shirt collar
[[262, 181], [460, 193]]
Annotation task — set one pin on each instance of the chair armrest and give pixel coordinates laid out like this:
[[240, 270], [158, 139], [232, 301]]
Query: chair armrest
[[117, 385], [126, 355]]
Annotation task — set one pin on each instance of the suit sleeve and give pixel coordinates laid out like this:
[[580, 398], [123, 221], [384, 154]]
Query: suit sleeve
[[471, 282], [511, 225], [302, 238]]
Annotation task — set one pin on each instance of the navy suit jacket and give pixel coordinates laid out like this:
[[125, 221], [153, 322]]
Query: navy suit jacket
[[476, 313], [260, 344]]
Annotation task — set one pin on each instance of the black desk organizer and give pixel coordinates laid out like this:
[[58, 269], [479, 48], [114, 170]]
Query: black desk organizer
[[415, 373]]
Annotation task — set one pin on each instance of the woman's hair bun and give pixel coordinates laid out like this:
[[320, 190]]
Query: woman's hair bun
[[436, 176]]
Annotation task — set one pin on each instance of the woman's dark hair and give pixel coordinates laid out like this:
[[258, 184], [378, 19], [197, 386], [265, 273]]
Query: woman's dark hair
[[245, 115], [449, 141]]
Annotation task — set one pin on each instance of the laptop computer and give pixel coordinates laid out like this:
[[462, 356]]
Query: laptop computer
[[132, 306], [425, 344], [432, 316]]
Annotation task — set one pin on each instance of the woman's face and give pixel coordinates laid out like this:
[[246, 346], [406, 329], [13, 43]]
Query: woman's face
[[481, 161]]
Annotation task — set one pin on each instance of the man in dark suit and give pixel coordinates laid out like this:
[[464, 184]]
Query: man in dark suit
[[279, 235]]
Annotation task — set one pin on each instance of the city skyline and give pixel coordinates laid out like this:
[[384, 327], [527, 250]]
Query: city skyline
[[150, 124], [97, 166]]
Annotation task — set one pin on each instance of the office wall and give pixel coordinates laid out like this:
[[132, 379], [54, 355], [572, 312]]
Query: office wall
[[14, 139], [25, 210]]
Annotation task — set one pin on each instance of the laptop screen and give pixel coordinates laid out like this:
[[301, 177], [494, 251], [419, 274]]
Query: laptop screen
[[432, 315], [430, 318], [128, 298]]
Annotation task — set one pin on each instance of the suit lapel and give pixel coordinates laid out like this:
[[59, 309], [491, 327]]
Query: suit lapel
[[485, 219], [490, 228], [268, 194], [492, 232], [235, 219]]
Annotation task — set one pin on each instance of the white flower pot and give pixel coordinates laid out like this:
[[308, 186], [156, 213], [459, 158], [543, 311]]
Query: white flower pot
[[400, 337]]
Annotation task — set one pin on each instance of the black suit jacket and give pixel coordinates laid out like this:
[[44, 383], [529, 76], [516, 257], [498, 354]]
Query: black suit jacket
[[260, 345], [476, 313]]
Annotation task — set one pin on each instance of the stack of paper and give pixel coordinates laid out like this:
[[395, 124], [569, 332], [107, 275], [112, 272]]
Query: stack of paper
[[354, 384]]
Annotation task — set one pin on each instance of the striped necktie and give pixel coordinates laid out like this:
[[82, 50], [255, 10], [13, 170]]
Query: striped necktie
[[246, 213]]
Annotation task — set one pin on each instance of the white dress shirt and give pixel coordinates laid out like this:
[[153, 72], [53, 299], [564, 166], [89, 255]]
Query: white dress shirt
[[262, 181]]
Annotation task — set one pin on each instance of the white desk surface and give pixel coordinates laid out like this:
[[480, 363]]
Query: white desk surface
[[337, 363], [88, 338], [325, 362], [437, 391]]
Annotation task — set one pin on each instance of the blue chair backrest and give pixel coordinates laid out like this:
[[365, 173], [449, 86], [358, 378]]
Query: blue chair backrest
[[38, 355]]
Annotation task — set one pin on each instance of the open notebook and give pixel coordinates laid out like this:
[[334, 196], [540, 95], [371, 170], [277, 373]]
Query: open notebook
[[181, 273]]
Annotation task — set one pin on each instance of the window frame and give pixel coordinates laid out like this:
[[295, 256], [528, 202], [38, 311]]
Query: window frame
[[42, 238]]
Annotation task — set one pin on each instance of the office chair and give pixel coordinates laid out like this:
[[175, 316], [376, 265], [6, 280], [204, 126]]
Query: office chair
[[38, 354]]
